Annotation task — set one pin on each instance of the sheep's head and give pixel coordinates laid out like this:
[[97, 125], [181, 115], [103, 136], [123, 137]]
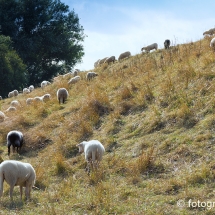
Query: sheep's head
[[81, 147]]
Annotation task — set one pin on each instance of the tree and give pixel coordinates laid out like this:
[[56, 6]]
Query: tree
[[13, 73], [46, 35]]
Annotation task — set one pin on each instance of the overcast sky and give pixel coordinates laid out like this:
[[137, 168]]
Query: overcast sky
[[116, 26]]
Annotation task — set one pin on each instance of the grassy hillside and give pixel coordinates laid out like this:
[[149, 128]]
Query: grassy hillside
[[155, 115]]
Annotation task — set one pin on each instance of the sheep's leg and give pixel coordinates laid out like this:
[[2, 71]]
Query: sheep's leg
[[8, 150], [20, 187], [11, 192], [27, 192], [93, 159]]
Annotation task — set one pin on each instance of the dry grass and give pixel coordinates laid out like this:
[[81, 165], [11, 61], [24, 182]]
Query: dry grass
[[155, 115]]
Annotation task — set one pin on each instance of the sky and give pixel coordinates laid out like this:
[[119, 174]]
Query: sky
[[116, 26]]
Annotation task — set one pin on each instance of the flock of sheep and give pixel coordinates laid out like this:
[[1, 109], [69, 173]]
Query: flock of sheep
[[21, 174]]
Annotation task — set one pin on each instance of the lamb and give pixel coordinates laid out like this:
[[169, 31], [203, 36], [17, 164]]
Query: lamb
[[124, 55], [31, 88], [74, 80], [62, 95], [91, 75], [2, 116], [150, 47], [110, 59], [46, 97], [212, 44], [14, 138], [93, 151], [167, 44], [26, 91], [17, 173], [45, 83], [209, 32]]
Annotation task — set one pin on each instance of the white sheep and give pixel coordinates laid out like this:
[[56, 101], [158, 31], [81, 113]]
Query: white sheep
[[209, 32], [29, 101], [45, 83], [2, 116], [91, 75], [150, 47], [31, 88], [15, 103], [93, 151], [46, 97], [69, 74], [38, 99], [11, 109], [167, 44], [74, 80], [212, 43], [96, 64], [124, 55], [26, 91], [102, 60], [0, 97], [14, 138], [17, 173], [15, 93], [110, 59], [62, 95]]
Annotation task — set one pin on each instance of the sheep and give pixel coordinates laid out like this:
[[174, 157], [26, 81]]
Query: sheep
[[26, 91], [31, 88], [11, 109], [166, 44], [2, 116], [150, 47], [209, 32], [15, 103], [102, 60], [38, 99], [74, 80], [93, 151], [62, 95], [29, 101], [124, 55], [15, 92], [69, 74], [110, 59], [45, 83], [96, 64], [46, 97], [17, 173], [91, 75], [14, 138], [0, 97], [212, 44]]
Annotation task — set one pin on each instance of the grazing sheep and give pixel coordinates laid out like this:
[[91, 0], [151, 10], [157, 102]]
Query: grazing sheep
[[74, 80], [62, 95], [29, 101], [212, 43], [38, 99], [102, 60], [15, 103], [15, 93], [167, 44], [2, 116], [69, 74], [150, 47], [110, 59], [45, 83], [209, 32], [124, 55], [96, 64], [17, 173], [11, 109], [14, 138], [93, 151], [10, 94], [31, 88], [91, 75], [46, 97], [26, 91]]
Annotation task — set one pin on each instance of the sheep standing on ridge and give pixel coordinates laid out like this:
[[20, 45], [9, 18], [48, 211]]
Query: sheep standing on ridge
[[14, 138], [93, 151], [167, 44], [91, 75], [102, 61], [26, 91], [17, 173], [150, 47], [110, 59], [74, 80], [31, 88], [13, 93], [209, 32], [124, 55], [212, 44], [96, 64], [62, 95]]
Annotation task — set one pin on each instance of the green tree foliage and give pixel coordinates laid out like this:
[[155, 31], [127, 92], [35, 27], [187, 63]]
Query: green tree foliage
[[12, 70], [46, 35]]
